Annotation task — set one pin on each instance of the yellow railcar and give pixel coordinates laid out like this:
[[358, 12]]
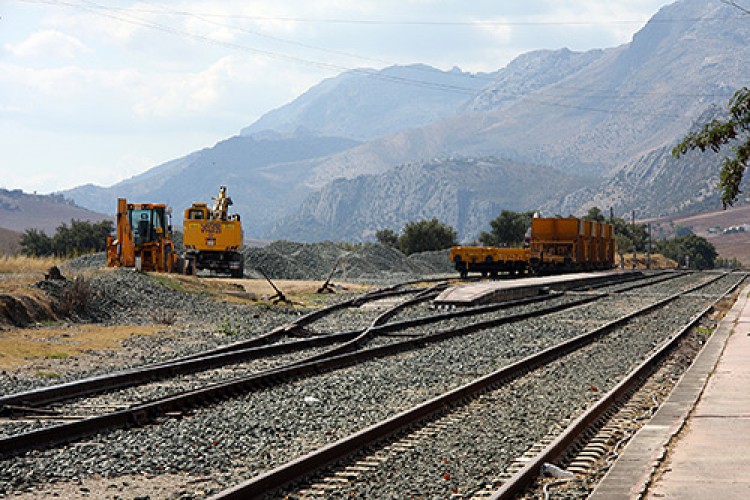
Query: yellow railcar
[[559, 244], [570, 244]]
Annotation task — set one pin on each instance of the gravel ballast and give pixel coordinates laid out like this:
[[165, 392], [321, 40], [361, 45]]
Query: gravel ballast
[[237, 439]]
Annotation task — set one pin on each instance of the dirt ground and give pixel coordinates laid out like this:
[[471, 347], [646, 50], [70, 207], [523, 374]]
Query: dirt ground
[[35, 347], [46, 348], [153, 487]]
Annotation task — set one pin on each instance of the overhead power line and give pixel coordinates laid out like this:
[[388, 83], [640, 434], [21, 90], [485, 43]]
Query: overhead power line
[[125, 15], [736, 6], [414, 22]]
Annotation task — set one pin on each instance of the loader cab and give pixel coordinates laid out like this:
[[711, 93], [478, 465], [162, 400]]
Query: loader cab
[[149, 223], [199, 211]]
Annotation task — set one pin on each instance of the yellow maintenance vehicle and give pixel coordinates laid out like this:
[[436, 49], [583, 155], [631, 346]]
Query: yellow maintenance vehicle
[[144, 238], [213, 238]]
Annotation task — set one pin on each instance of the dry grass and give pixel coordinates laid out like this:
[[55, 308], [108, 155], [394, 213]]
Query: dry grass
[[658, 261], [21, 346], [23, 264]]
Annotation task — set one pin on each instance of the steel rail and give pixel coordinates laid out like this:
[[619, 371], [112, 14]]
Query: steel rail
[[307, 319], [245, 350], [176, 403], [660, 278], [26, 401], [308, 464], [518, 483], [381, 320], [151, 373]]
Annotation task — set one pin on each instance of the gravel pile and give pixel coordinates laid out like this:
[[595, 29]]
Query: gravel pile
[[93, 260], [241, 438], [315, 261]]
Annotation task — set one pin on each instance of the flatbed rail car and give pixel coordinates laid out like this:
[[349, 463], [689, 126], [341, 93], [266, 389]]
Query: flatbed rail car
[[560, 244], [490, 260]]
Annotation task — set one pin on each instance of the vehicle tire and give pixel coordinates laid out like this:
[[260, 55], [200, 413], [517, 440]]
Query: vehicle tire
[[167, 264], [189, 266], [238, 273]]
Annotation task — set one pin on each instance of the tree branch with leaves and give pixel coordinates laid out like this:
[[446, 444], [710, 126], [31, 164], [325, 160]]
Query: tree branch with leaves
[[719, 133]]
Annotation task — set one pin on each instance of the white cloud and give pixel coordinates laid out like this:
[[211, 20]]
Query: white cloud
[[164, 83], [47, 43], [65, 82]]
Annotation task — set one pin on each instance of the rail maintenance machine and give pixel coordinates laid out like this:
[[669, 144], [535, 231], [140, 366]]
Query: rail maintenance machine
[[213, 238]]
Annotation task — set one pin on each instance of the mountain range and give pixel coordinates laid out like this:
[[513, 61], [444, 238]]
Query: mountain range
[[554, 130]]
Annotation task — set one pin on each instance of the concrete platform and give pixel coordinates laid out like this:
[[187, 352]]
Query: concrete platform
[[701, 435], [486, 292]]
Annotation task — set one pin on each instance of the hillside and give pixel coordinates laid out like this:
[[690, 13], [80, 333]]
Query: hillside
[[363, 104], [465, 193], [262, 176], [622, 104], [712, 226], [20, 211], [656, 184], [612, 113]]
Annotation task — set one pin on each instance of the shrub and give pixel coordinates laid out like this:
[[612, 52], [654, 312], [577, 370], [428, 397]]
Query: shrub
[[76, 297]]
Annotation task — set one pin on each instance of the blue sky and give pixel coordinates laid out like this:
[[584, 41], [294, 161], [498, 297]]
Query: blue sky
[[98, 91]]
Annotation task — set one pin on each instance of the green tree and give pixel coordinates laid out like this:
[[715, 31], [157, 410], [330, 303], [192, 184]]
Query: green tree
[[507, 229], [426, 235], [623, 244], [636, 235], [35, 243], [718, 133], [680, 230], [595, 214], [387, 237], [81, 237], [700, 253]]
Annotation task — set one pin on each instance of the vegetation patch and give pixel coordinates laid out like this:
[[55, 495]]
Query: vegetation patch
[[174, 283], [25, 264], [21, 346], [704, 330]]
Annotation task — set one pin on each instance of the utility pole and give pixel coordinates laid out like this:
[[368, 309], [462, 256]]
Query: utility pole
[[648, 248], [635, 254]]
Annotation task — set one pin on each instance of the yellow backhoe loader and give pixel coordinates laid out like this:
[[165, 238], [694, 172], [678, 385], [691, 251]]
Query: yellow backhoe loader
[[144, 238]]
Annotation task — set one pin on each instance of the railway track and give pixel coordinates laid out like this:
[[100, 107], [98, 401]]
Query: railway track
[[279, 341], [176, 399], [276, 341], [385, 343], [378, 455]]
